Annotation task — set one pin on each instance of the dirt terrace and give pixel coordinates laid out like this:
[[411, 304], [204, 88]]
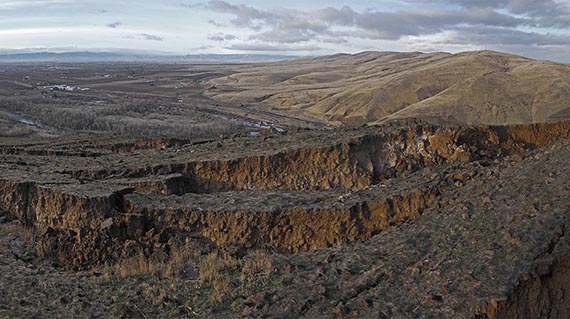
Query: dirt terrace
[[422, 215], [497, 247], [78, 201]]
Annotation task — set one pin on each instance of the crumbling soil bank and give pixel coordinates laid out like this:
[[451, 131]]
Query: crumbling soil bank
[[87, 212]]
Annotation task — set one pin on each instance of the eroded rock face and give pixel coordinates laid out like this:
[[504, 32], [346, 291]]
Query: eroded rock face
[[87, 220]]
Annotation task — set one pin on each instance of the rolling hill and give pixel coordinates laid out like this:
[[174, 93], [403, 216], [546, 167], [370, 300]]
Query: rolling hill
[[483, 87]]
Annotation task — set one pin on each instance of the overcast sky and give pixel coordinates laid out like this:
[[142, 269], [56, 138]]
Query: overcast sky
[[534, 28]]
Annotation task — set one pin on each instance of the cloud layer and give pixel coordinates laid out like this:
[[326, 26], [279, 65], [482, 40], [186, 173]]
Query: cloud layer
[[539, 29], [518, 24]]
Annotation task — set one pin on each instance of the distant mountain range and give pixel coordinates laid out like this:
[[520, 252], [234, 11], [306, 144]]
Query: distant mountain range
[[85, 56]]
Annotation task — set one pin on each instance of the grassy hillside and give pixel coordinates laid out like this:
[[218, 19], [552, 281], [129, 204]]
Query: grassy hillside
[[472, 87]]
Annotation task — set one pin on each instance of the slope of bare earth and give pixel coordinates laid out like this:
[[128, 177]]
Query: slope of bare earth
[[483, 87]]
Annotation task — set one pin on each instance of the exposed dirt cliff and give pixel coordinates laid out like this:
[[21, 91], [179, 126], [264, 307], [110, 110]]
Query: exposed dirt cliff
[[353, 162], [373, 222], [494, 248], [284, 229], [91, 223]]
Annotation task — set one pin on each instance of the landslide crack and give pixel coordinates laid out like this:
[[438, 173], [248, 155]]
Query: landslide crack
[[391, 174]]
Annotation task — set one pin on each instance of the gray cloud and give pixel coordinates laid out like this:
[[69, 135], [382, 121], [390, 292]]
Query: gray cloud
[[284, 36], [285, 25], [151, 37], [544, 13], [216, 37], [501, 36], [245, 16], [220, 37], [202, 47], [216, 24], [271, 48], [115, 25], [344, 16], [293, 26], [389, 25], [192, 5], [471, 21], [531, 7], [145, 36], [538, 8]]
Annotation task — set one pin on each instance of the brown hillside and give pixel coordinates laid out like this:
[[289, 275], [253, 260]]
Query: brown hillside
[[472, 87]]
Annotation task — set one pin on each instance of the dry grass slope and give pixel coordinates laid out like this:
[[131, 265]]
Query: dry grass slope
[[483, 87]]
